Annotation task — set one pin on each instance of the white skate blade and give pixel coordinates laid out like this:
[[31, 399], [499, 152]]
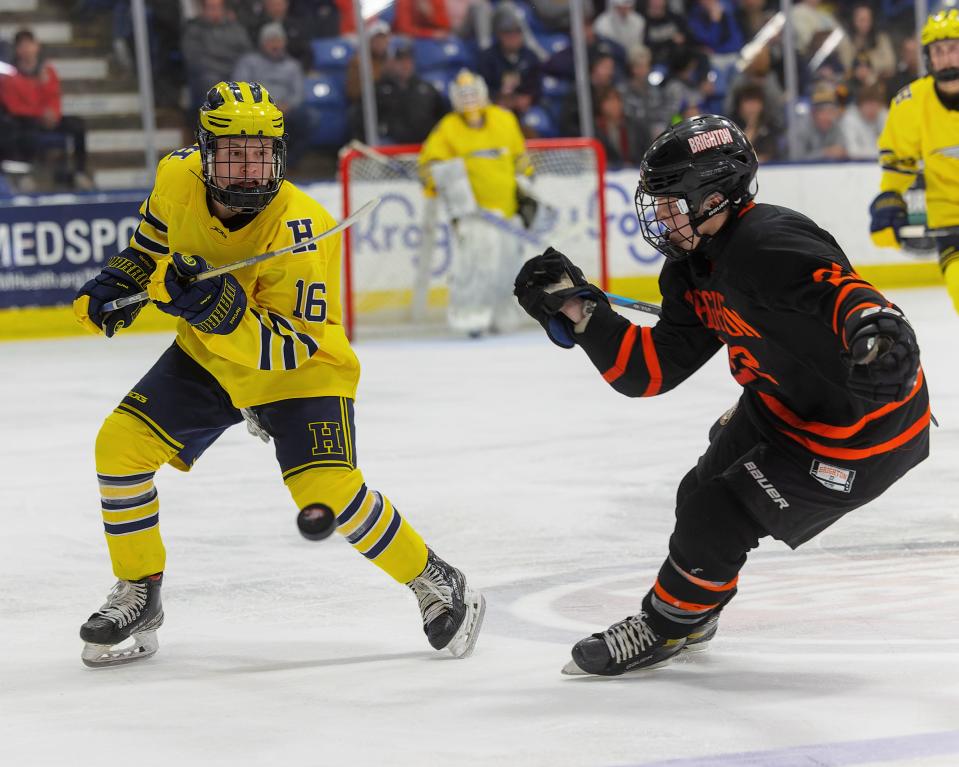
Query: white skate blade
[[571, 669], [462, 643], [144, 645]]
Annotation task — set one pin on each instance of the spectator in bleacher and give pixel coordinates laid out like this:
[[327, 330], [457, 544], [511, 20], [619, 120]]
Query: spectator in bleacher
[[283, 77], [212, 44], [688, 82], [31, 109], [623, 139], [862, 123], [554, 15], [759, 72], [621, 24], [808, 19], [645, 102], [751, 112], [421, 18], [602, 76], [476, 23], [562, 65], [907, 65], [407, 106], [861, 76], [865, 39], [666, 32], [379, 38], [323, 16], [752, 15], [713, 26], [511, 70], [298, 29], [819, 135]]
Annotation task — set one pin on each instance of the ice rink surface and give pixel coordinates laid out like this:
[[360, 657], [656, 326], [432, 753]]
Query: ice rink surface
[[554, 494]]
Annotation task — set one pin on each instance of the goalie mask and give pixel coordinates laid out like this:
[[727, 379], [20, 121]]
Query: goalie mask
[[469, 96], [242, 146], [940, 27], [695, 170]]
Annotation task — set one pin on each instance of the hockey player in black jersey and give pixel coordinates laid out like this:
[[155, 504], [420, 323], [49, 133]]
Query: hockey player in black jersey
[[834, 407]]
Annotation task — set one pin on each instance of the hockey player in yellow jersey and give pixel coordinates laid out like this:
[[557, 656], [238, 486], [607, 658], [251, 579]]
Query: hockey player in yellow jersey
[[475, 158], [922, 135], [265, 343]]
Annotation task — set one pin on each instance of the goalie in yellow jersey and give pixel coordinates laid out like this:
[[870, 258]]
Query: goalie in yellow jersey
[[922, 135], [265, 343], [475, 160]]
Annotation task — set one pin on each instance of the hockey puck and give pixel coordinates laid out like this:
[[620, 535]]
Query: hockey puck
[[316, 522]]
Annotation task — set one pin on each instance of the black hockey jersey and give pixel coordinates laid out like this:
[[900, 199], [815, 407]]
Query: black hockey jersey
[[775, 289]]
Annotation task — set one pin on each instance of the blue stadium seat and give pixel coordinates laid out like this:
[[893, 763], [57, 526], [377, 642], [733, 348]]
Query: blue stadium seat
[[554, 87], [450, 53], [529, 14], [324, 91], [332, 53], [541, 121], [440, 79], [553, 44], [326, 105]]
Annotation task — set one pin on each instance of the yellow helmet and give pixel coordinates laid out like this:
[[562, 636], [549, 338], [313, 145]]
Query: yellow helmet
[[469, 95], [239, 110], [943, 25]]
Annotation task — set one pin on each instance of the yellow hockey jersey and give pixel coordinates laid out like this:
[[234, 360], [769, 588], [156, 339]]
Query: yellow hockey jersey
[[291, 342], [494, 154], [922, 135]]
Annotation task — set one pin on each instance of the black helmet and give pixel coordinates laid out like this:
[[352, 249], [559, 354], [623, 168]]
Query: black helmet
[[687, 163]]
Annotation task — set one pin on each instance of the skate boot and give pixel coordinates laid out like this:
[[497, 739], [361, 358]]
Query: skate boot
[[700, 638], [132, 611], [630, 645], [452, 612]]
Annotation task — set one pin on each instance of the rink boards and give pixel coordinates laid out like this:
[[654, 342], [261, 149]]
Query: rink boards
[[50, 246]]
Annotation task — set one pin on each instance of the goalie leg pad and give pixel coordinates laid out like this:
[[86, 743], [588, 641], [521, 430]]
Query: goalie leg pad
[[473, 288]]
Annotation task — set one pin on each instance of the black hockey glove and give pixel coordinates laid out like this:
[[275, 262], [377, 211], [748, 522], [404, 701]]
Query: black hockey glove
[[544, 284], [889, 214], [215, 305], [882, 354], [526, 206], [126, 273]]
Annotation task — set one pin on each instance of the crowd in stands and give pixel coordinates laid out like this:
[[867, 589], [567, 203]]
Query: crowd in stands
[[650, 63]]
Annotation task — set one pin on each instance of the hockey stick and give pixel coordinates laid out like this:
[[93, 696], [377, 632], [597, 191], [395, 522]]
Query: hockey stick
[[918, 231], [346, 223], [491, 218], [632, 303]]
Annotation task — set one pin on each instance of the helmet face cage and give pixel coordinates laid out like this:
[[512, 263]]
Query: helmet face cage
[[242, 145], [228, 178], [468, 93], [701, 157]]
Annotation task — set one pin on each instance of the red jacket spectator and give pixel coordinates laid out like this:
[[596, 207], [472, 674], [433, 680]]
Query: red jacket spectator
[[32, 95], [421, 18]]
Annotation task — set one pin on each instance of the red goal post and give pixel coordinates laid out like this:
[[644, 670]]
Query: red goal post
[[396, 260]]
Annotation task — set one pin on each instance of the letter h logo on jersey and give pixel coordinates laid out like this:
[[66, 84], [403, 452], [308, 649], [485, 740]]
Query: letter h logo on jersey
[[327, 438], [302, 229]]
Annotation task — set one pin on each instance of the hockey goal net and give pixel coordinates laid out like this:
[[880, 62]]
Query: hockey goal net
[[397, 259]]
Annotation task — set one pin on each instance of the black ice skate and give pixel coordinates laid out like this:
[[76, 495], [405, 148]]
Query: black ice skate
[[630, 645], [699, 640], [132, 611], [452, 612]]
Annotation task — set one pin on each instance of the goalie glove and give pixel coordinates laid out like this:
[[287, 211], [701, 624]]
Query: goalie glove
[[882, 354], [545, 284]]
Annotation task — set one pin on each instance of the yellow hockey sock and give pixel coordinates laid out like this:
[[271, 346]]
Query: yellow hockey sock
[[128, 454]]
